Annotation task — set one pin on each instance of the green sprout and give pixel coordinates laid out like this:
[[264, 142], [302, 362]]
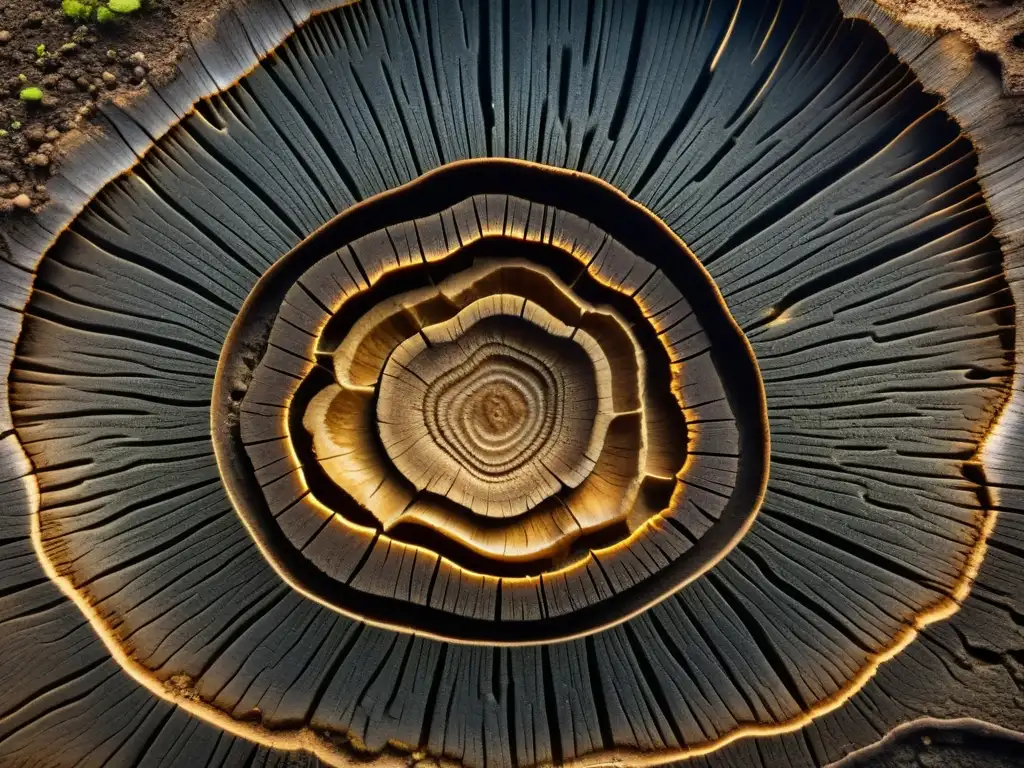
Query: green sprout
[[15, 125], [40, 50], [30, 94]]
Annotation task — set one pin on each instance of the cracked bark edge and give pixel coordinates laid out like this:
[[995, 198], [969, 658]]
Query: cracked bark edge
[[935, 737]]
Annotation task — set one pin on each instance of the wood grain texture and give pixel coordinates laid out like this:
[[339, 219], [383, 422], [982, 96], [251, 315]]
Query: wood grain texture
[[866, 248], [661, 450]]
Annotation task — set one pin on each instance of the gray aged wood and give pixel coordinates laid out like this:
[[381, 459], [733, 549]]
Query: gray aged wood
[[853, 191]]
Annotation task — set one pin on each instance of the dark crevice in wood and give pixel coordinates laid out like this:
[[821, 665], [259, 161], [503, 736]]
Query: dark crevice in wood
[[597, 691]]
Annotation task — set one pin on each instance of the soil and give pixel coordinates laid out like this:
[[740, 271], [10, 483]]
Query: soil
[[78, 66]]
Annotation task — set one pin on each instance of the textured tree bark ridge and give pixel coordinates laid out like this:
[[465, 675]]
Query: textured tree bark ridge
[[521, 384], [994, 26], [960, 743]]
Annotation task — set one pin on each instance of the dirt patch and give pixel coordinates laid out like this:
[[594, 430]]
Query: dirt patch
[[74, 65]]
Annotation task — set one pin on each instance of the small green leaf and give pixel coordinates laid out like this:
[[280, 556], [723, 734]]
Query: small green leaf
[[104, 14], [31, 94]]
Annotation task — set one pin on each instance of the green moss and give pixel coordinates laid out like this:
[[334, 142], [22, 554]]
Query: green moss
[[40, 50], [124, 6], [31, 94], [79, 10], [102, 11]]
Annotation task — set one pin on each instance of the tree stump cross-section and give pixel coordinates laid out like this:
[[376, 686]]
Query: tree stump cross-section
[[510, 384]]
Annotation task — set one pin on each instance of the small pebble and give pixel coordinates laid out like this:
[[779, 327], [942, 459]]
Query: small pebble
[[139, 72], [41, 189], [35, 134], [5, 36], [84, 82], [52, 135], [22, 201], [138, 58], [69, 48], [39, 160], [111, 55], [109, 78]]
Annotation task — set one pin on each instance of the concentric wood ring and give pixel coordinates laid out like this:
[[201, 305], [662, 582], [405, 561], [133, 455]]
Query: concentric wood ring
[[360, 482], [498, 408]]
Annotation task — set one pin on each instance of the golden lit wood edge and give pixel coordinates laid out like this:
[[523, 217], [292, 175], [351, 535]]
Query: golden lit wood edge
[[218, 425], [570, 249], [460, 289]]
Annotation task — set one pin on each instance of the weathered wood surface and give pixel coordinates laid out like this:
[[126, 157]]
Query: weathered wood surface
[[262, 297]]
